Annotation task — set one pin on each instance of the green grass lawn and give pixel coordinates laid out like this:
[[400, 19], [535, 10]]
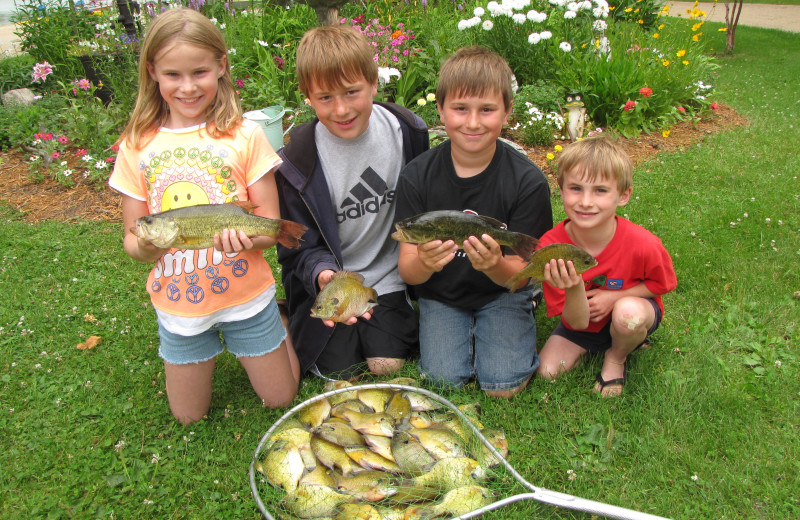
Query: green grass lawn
[[707, 427]]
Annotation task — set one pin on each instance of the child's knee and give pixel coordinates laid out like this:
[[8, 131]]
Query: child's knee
[[631, 316], [384, 366]]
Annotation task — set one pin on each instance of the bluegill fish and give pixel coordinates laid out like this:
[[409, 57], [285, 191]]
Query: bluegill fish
[[582, 261], [459, 226], [344, 297], [194, 227]]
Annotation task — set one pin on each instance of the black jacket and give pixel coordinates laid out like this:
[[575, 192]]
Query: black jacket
[[304, 198]]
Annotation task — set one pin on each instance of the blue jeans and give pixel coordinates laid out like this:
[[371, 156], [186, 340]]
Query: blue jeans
[[495, 343]]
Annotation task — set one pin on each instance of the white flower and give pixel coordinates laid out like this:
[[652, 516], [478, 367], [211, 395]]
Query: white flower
[[565, 46], [213, 20], [546, 35], [67, 173], [599, 26], [569, 15], [695, 478], [559, 3], [586, 5], [222, 26], [100, 165], [385, 74], [536, 17], [431, 97], [463, 24], [599, 12], [478, 11], [573, 6], [487, 25], [534, 38], [519, 18], [232, 51], [262, 43]]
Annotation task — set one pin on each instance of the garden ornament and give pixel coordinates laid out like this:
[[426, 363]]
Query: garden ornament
[[575, 119]]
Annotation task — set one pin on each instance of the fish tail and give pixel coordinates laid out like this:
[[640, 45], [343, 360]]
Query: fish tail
[[290, 234], [524, 245], [512, 282]]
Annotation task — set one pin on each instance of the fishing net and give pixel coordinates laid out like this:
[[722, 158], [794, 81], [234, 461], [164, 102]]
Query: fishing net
[[386, 451]]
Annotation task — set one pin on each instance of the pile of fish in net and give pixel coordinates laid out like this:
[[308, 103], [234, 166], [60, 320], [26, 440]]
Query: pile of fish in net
[[377, 453]]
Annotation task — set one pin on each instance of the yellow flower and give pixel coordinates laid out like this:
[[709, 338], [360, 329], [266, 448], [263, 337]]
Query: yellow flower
[[665, 9], [550, 156], [696, 37], [685, 62], [697, 26], [660, 27], [665, 62], [681, 53], [722, 29], [665, 133], [421, 102], [558, 148], [656, 35], [636, 10], [639, 21], [431, 97], [628, 9]]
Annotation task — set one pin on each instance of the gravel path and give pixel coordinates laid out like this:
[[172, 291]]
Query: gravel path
[[782, 17]]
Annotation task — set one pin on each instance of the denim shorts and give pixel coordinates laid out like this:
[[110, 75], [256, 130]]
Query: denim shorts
[[600, 341], [255, 336], [495, 344]]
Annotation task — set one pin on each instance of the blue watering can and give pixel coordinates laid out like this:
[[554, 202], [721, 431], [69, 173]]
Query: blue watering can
[[271, 121]]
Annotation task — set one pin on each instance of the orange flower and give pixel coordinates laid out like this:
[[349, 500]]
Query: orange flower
[[398, 33]]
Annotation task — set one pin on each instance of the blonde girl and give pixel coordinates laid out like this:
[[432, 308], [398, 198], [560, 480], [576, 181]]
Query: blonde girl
[[186, 144]]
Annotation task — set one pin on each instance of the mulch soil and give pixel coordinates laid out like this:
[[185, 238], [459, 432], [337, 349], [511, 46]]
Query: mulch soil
[[48, 200]]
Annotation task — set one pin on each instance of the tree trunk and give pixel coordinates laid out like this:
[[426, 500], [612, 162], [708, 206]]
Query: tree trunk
[[731, 21], [327, 15]]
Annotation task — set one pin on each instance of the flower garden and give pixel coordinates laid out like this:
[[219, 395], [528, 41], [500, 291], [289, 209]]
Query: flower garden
[[635, 69]]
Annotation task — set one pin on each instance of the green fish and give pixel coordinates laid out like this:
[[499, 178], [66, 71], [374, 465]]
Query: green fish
[[309, 501], [450, 473], [315, 413], [339, 433], [458, 226], [496, 438], [409, 454], [283, 466], [194, 227], [440, 442], [582, 261], [332, 455], [458, 502], [344, 297], [371, 485]]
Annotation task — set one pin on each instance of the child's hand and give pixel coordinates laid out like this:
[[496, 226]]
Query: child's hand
[[484, 253], [436, 254], [149, 252], [232, 241], [561, 275], [601, 303]]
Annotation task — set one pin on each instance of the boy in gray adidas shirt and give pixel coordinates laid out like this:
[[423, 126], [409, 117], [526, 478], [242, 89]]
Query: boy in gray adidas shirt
[[338, 178]]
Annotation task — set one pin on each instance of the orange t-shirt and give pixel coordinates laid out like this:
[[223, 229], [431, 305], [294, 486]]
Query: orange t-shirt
[[187, 167]]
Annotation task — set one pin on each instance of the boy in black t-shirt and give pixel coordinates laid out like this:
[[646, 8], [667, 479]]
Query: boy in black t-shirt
[[470, 325]]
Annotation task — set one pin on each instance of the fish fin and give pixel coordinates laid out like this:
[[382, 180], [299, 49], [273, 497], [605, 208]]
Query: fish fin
[[511, 283], [492, 221], [246, 205], [524, 245], [290, 234], [348, 274]]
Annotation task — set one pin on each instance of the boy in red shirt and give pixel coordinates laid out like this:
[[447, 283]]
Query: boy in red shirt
[[613, 307]]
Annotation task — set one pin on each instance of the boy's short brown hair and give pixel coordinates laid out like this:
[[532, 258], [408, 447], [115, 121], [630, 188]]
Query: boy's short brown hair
[[597, 157], [475, 71], [329, 56]]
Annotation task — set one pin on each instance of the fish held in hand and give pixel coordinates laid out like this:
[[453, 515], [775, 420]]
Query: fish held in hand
[[194, 227], [459, 226], [582, 261], [344, 297]]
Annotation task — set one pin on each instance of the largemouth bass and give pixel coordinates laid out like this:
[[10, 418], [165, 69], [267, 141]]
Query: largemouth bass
[[344, 297], [582, 261], [459, 226], [194, 227]]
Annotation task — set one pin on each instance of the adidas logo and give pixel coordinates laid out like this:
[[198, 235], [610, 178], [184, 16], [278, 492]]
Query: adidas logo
[[367, 196]]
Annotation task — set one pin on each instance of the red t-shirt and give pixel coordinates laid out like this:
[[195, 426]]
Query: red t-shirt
[[633, 256]]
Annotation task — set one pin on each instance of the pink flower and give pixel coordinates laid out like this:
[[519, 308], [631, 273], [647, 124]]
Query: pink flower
[[115, 147], [646, 91], [41, 71], [239, 83], [83, 84], [47, 137], [109, 159], [714, 106], [630, 105], [63, 139], [81, 152], [681, 109], [55, 155]]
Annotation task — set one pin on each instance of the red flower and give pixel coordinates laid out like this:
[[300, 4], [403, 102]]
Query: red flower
[[55, 155], [714, 106], [63, 139], [81, 152], [630, 105], [239, 83], [115, 147], [681, 109], [646, 91], [109, 159]]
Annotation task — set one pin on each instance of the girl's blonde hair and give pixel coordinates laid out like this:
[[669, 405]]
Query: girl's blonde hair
[[475, 71], [329, 56], [181, 25], [597, 157]]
